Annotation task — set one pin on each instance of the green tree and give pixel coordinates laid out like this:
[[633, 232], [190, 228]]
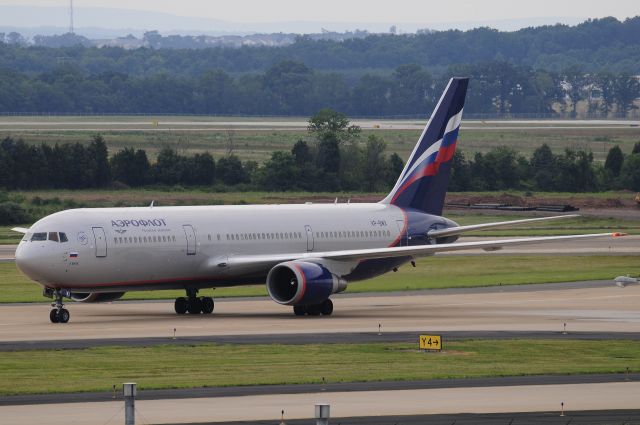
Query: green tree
[[280, 172], [130, 167], [331, 129], [543, 165], [626, 91], [231, 171], [99, 155], [374, 164], [574, 85], [614, 161], [630, 173]]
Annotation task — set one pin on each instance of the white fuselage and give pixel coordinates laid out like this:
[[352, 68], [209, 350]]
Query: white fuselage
[[111, 249]]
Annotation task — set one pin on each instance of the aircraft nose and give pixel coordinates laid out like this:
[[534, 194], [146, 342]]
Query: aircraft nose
[[27, 261]]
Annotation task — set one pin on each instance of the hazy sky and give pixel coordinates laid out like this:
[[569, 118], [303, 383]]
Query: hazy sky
[[395, 11]]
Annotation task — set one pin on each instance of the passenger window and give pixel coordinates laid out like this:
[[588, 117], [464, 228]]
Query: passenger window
[[63, 237], [39, 237], [209, 237], [115, 240], [53, 236]]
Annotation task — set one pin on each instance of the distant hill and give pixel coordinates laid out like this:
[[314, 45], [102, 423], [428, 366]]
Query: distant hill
[[601, 44]]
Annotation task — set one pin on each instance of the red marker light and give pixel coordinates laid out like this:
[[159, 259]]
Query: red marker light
[[618, 234]]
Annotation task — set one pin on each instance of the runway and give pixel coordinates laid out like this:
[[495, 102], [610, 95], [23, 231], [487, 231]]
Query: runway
[[505, 399], [590, 310], [193, 124], [584, 307]]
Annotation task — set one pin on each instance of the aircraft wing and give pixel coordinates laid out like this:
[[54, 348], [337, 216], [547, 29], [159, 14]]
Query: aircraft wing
[[450, 231], [405, 251], [20, 230]]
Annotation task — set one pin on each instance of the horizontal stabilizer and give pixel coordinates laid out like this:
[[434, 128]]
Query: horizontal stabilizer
[[451, 231]]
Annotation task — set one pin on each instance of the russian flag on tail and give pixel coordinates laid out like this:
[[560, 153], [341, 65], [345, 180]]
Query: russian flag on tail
[[424, 180]]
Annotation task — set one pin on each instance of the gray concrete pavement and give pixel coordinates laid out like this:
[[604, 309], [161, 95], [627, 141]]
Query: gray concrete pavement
[[592, 308], [498, 399]]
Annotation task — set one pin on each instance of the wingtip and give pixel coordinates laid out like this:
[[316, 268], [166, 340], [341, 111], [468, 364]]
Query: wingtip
[[619, 234]]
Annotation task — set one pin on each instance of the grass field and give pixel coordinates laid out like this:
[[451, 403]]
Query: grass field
[[256, 142], [430, 273], [97, 369]]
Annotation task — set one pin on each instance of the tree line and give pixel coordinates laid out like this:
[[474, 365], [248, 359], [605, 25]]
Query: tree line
[[337, 158], [292, 88], [597, 45]]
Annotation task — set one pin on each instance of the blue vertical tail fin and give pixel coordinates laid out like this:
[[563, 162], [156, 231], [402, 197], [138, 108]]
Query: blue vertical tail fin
[[422, 185]]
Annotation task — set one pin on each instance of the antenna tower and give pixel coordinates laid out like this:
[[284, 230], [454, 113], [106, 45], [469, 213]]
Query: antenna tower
[[71, 16]]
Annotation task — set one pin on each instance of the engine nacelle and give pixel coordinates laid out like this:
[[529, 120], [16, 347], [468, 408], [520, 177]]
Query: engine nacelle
[[302, 283], [96, 297]]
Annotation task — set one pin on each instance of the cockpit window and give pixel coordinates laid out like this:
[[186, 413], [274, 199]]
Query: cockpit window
[[26, 237], [53, 236], [39, 237], [63, 237]]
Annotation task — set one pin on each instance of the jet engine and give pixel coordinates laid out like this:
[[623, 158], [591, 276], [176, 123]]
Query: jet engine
[[96, 297], [300, 283]]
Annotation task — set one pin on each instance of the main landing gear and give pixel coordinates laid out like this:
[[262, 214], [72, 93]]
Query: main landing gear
[[194, 304], [59, 314], [325, 308]]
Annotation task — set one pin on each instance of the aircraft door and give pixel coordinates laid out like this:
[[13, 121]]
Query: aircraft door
[[310, 241], [403, 233], [190, 234], [101, 241]]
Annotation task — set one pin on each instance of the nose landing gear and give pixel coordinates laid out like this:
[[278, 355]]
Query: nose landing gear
[[194, 304], [58, 314]]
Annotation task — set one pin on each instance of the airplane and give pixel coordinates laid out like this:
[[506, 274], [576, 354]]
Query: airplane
[[622, 281], [304, 253]]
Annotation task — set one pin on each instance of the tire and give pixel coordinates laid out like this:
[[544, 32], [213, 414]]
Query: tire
[[53, 316], [195, 306], [207, 305], [181, 305], [64, 316], [314, 310], [326, 308], [299, 310]]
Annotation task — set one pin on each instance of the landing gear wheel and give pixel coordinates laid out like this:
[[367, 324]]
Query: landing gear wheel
[[181, 305], [195, 306], [326, 308], [314, 310], [299, 310], [63, 315], [207, 305], [53, 316]]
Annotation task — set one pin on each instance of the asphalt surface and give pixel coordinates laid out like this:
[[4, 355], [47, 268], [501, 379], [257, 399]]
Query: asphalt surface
[[256, 390], [592, 307], [598, 417]]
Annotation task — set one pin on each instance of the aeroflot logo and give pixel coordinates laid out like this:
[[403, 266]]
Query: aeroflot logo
[[156, 222]]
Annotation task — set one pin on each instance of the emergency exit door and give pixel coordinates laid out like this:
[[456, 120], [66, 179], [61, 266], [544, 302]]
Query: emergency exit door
[[191, 239], [101, 241], [310, 241]]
